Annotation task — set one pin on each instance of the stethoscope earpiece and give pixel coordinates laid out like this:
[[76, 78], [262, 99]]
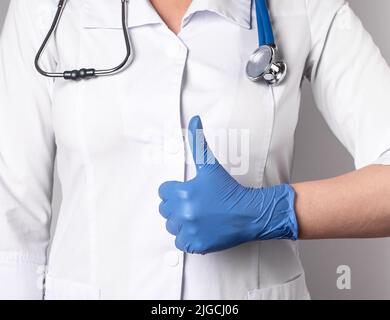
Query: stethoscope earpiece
[[262, 65]]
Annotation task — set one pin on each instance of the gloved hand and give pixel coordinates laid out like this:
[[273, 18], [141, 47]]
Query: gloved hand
[[213, 212]]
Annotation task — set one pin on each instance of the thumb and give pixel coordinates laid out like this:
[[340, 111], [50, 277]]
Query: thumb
[[201, 153]]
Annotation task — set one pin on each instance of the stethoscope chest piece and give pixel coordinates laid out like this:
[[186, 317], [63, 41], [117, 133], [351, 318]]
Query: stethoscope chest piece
[[262, 65]]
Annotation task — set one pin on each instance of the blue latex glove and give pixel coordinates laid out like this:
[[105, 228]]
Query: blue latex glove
[[213, 212]]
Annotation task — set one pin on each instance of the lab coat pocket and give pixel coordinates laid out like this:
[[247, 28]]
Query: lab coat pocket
[[64, 289], [294, 289]]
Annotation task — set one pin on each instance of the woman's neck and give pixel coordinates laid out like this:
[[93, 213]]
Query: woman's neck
[[172, 12]]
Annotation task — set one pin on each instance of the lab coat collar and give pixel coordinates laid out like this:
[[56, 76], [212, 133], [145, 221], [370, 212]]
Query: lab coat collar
[[141, 12], [237, 11], [106, 13]]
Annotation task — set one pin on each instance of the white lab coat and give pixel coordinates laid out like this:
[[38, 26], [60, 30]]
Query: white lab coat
[[116, 139]]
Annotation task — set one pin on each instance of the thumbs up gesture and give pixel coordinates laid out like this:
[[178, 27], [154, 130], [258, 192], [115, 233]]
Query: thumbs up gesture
[[213, 212]]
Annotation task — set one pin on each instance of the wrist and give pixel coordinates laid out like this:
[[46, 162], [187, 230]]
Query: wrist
[[292, 217], [277, 213]]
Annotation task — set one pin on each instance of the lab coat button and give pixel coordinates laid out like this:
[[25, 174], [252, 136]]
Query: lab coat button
[[172, 258]]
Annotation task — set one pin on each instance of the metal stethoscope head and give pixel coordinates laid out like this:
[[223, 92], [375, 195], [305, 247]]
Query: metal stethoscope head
[[262, 63]]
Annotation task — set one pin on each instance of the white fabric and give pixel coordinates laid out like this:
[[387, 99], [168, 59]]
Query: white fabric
[[384, 159], [21, 277], [118, 138]]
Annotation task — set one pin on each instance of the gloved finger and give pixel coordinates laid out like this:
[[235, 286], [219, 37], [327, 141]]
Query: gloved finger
[[181, 243], [169, 189], [201, 152], [165, 209], [173, 227], [187, 246]]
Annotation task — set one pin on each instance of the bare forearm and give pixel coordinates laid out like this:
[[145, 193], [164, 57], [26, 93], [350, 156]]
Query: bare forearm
[[355, 205]]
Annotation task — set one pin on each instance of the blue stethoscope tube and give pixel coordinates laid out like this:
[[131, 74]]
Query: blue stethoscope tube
[[262, 63], [264, 26]]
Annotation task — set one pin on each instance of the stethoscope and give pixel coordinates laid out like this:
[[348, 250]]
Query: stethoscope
[[262, 63]]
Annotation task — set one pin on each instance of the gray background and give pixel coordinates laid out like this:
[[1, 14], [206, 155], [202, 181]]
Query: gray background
[[369, 260]]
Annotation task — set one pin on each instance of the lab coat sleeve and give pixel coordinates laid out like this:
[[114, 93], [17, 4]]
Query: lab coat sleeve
[[350, 81], [27, 152]]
